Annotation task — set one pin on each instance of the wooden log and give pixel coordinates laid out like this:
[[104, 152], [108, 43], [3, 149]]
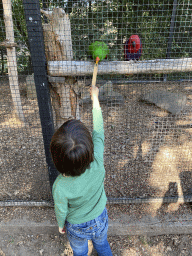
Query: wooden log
[[8, 44], [58, 34], [80, 68], [52, 47], [11, 59], [58, 47]]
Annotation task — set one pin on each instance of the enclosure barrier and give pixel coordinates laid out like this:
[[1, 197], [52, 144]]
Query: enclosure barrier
[[161, 123], [110, 201]]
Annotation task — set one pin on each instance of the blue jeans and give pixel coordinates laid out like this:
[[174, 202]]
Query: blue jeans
[[95, 230]]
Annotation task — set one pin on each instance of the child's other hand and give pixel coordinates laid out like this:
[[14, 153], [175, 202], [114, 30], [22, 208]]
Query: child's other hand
[[94, 92], [62, 230]]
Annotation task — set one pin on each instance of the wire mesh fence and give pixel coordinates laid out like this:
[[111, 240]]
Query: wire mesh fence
[[23, 167], [147, 113]]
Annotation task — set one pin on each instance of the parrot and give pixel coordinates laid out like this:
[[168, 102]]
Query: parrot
[[98, 50], [133, 48]]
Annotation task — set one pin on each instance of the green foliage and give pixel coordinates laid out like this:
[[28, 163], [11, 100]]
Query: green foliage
[[114, 21], [20, 29], [20, 33]]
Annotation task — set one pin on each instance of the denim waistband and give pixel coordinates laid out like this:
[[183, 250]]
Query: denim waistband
[[90, 222]]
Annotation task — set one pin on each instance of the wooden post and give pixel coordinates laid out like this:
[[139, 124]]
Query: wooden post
[[58, 46], [11, 59]]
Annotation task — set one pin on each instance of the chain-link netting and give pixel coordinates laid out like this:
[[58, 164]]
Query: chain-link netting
[[146, 100], [23, 168]]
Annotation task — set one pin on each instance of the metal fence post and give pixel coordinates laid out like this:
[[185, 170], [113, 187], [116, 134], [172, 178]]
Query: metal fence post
[[35, 37], [170, 40], [169, 45]]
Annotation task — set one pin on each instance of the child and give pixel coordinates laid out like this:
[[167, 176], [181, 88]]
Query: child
[[78, 192]]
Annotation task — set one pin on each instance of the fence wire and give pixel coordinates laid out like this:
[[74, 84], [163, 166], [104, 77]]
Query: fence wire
[[147, 116]]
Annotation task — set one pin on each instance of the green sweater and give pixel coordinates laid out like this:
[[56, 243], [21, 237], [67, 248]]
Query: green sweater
[[82, 198]]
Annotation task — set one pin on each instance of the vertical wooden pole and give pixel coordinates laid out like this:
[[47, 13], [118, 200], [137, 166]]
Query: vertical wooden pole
[[11, 59]]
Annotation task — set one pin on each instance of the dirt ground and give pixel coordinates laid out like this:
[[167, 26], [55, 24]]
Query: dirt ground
[[50, 244], [147, 154], [147, 150]]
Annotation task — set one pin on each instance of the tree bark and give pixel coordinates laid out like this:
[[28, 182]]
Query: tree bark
[[58, 47]]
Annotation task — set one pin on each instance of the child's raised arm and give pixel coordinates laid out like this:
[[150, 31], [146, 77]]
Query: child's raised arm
[[94, 92], [98, 129]]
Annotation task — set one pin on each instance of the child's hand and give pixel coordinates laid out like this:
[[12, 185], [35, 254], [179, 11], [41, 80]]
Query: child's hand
[[94, 92], [62, 230]]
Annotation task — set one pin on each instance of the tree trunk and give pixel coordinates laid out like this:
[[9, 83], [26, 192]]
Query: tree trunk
[[58, 47]]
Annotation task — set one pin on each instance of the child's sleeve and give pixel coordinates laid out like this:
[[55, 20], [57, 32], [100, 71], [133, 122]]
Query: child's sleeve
[[61, 207], [61, 212], [98, 133]]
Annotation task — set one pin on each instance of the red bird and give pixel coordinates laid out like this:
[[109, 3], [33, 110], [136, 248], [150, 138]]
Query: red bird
[[133, 48]]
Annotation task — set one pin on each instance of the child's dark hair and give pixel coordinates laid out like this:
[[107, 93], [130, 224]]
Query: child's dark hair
[[72, 148]]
